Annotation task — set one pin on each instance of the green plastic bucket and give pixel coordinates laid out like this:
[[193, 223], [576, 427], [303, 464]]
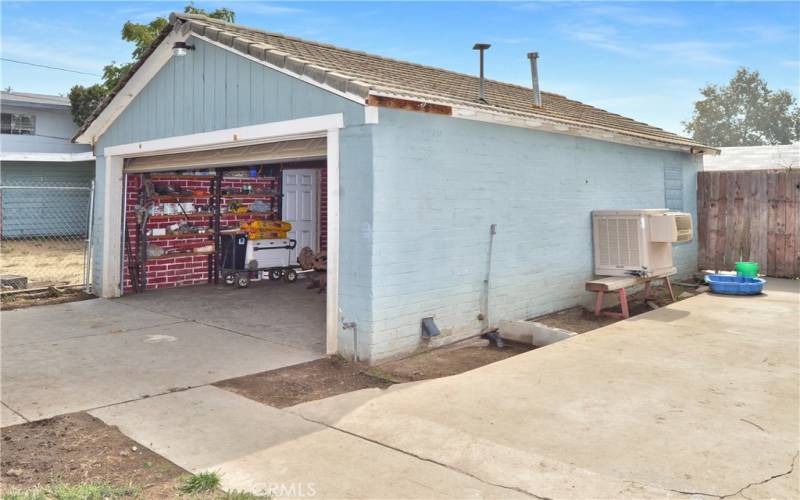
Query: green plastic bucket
[[747, 269]]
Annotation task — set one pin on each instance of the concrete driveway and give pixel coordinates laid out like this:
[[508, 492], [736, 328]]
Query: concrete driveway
[[83, 355], [698, 399]]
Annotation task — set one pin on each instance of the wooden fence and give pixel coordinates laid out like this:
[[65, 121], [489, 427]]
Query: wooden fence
[[749, 215]]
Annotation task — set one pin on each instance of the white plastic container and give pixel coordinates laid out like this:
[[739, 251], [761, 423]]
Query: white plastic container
[[268, 253]]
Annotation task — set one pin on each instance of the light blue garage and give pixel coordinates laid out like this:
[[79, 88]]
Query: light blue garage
[[419, 171]]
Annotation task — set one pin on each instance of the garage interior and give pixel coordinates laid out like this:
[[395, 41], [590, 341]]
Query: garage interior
[[230, 239]]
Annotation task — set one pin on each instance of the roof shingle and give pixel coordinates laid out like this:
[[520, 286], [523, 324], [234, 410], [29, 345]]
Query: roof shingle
[[362, 74]]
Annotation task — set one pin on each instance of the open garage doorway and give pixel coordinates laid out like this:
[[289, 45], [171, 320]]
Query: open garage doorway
[[239, 247], [271, 149]]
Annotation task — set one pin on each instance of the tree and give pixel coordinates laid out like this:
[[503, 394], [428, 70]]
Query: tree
[[83, 100], [744, 113]]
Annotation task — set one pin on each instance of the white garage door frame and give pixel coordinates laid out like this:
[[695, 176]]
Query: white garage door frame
[[326, 126]]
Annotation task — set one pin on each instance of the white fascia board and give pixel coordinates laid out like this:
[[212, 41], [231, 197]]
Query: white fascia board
[[560, 127], [48, 157], [542, 123], [352, 97], [132, 88], [300, 128]]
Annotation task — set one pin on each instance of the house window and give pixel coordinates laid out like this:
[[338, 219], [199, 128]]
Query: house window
[[18, 124]]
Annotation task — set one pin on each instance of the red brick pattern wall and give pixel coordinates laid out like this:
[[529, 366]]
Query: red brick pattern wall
[[182, 270]]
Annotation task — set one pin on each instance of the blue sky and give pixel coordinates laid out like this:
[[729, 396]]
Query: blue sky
[[645, 60]]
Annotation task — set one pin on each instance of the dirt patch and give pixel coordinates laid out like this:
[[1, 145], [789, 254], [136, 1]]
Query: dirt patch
[[300, 383], [328, 377], [580, 320], [78, 448], [19, 300], [44, 261], [447, 361]]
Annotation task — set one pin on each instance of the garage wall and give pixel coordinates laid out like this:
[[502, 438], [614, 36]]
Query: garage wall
[[213, 89], [442, 182]]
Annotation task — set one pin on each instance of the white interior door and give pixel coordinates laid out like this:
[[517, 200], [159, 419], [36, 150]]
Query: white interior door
[[300, 207]]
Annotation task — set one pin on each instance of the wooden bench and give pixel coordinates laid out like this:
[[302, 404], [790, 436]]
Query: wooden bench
[[618, 284]]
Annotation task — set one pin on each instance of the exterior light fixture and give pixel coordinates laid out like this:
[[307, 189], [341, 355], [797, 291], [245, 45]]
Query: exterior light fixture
[[180, 49]]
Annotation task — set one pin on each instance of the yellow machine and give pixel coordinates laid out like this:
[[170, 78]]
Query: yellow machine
[[266, 230]]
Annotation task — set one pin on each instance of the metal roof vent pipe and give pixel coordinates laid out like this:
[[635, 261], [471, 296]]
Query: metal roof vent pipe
[[482, 47], [537, 95]]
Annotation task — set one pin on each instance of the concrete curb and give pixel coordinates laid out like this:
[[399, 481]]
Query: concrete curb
[[531, 332]]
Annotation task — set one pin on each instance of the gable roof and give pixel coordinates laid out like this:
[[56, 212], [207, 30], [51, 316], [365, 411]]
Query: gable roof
[[361, 76]]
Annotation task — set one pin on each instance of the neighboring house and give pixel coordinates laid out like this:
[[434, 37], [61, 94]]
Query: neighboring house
[[36, 150], [419, 169], [780, 156]]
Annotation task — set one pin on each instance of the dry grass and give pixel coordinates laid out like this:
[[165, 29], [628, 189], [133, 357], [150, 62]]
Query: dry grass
[[44, 262]]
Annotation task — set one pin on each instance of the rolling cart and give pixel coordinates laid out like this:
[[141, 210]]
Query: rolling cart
[[240, 256]]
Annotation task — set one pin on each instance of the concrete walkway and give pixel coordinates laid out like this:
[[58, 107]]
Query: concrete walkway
[[82, 355], [254, 447], [696, 399]]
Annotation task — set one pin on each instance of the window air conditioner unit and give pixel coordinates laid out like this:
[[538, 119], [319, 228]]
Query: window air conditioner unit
[[637, 242], [672, 227]]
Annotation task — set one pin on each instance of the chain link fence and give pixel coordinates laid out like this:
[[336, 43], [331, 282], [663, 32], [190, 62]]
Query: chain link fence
[[45, 237]]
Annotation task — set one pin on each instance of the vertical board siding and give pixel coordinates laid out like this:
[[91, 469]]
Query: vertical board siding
[[211, 89], [751, 215]]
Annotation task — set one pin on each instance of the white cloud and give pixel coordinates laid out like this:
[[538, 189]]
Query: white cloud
[[264, 9], [603, 37], [768, 33], [610, 39], [626, 14], [693, 52]]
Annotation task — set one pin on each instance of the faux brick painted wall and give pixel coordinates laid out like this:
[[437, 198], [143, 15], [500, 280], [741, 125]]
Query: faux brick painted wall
[[169, 272], [439, 183]]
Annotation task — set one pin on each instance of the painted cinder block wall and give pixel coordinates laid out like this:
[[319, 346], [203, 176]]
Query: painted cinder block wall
[[439, 183]]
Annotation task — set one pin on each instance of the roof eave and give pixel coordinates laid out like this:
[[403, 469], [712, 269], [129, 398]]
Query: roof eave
[[534, 121], [90, 130]]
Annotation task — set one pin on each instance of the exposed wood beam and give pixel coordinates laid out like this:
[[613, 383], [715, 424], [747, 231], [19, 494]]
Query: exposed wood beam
[[409, 105]]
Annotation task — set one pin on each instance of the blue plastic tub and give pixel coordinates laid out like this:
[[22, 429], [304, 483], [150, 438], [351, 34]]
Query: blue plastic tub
[[734, 285]]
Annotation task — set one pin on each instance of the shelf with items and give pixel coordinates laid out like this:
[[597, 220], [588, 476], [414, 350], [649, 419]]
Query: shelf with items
[[168, 198], [169, 217], [265, 214], [179, 177], [180, 254], [250, 195], [181, 235], [198, 203]]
